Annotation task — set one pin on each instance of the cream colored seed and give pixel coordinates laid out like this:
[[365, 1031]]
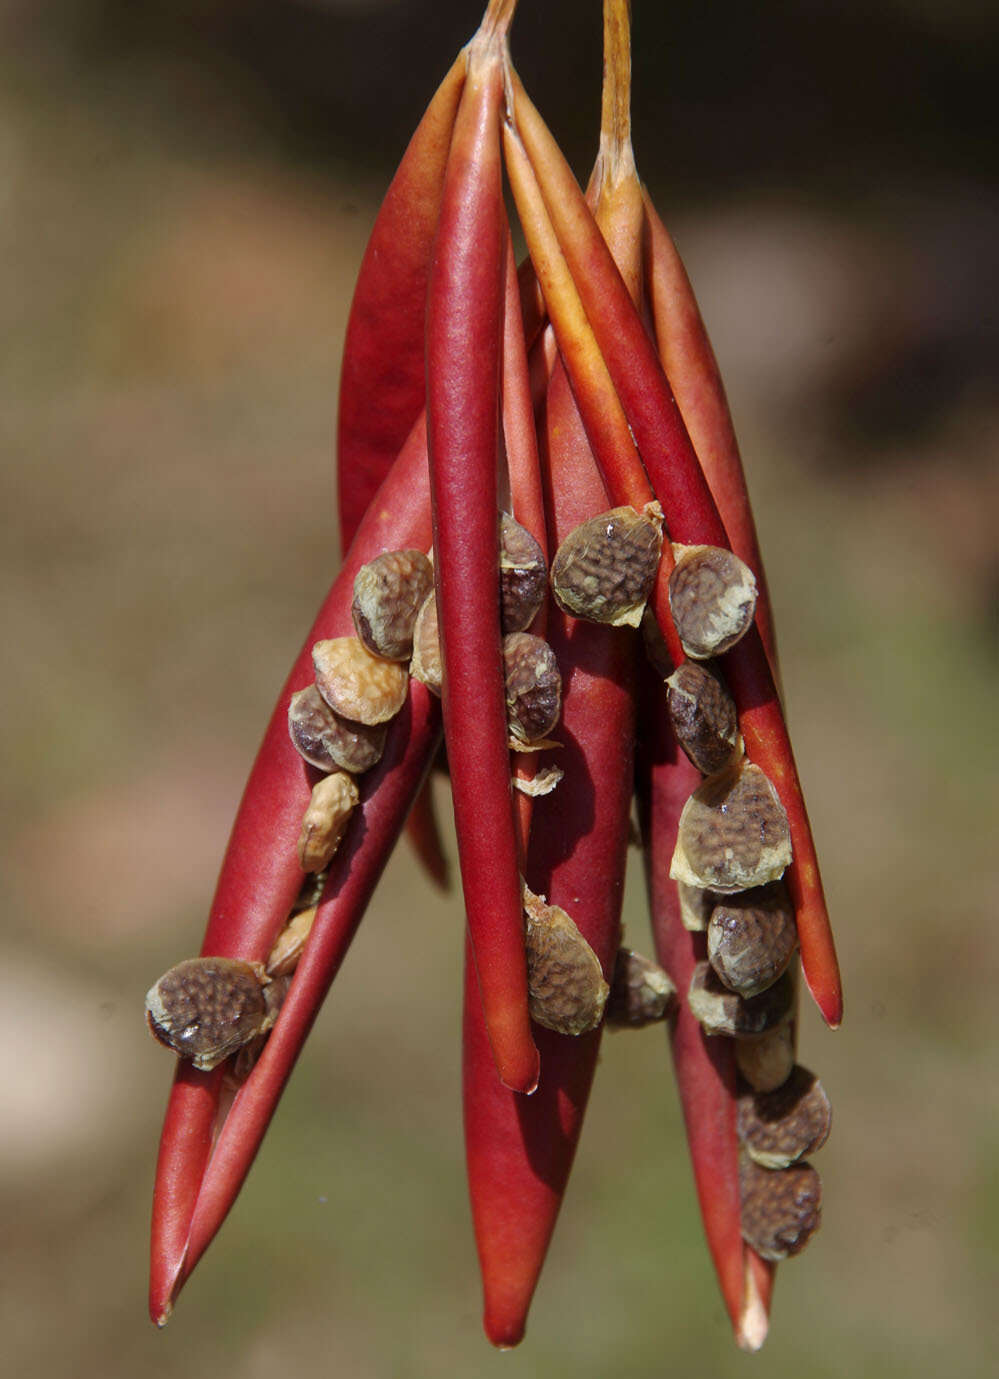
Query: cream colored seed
[[533, 686], [523, 576], [720, 1011], [388, 592], [426, 665], [777, 1128], [766, 1063], [329, 742], [733, 833], [604, 570], [207, 1008], [712, 597], [751, 937], [357, 685], [641, 992], [696, 905], [290, 943], [325, 821], [781, 1208], [703, 716], [566, 988]]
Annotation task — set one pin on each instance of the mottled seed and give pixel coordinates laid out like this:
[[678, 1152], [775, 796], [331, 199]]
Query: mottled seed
[[325, 821], [328, 741], [721, 1011], [388, 592], [703, 716], [566, 987], [766, 1062], [533, 686], [781, 1208], [289, 945], [733, 833], [523, 576], [206, 1008], [751, 937], [245, 1060], [605, 569], [712, 596], [777, 1128], [357, 685], [426, 665], [641, 992]]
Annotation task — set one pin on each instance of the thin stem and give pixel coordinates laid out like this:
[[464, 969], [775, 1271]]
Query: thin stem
[[615, 108]]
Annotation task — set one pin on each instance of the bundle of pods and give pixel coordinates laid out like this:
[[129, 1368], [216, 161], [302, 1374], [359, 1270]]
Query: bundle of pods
[[533, 465]]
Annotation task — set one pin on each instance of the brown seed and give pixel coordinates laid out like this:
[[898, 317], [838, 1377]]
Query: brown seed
[[766, 1062], [751, 937], [329, 742], [206, 1008], [247, 1056], [357, 685], [388, 592], [565, 984], [712, 596], [781, 1208], [733, 833], [605, 569], [777, 1128], [641, 992], [325, 820], [721, 1011], [533, 686], [523, 575], [703, 716], [289, 945], [426, 665]]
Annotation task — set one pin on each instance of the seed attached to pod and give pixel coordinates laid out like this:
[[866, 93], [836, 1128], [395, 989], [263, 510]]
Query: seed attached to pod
[[605, 569], [733, 833], [357, 685], [388, 592], [751, 937], [290, 944], [565, 984], [641, 992], [767, 1062], [207, 1008], [523, 576], [426, 665], [712, 596], [781, 1208], [703, 716], [778, 1128], [533, 686], [325, 821], [720, 1011], [329, 742]]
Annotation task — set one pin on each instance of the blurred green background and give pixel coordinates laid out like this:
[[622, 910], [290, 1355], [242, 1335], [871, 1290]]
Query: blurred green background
[[185, 194]]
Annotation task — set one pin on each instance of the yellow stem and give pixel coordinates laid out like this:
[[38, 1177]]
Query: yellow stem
[[615, 108]]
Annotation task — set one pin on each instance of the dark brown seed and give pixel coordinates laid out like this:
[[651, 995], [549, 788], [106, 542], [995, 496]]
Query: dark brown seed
[[565, 984], [328, 741], [605, 569], [357, 685], [766, 1062], [733, 833], [641, 992], [523, 575], [206, 1008], [426, 665], [533, 686], [325, 820], [703, 716], [777, 1128], [388, 592], [751, 937], [781, 1208], [721, 1011], [712, 596]]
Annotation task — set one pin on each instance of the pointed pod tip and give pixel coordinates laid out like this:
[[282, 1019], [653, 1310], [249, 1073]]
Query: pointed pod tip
[[505, 1334], [161, 1315], [753, 1326]]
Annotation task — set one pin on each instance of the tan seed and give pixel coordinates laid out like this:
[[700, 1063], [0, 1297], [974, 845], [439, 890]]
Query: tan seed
[[329, 742], [712, 596], [565, 984], [605, 569], [695, 907], [533, 686], [325, 821], [641, 992], [751, 937], [289, 945], [357, 685], [523, 576], [206, 1008], [720, 1011], [388, 592], [766, 1062], [703, 716], [781, 1208], [426, 665], [777, 1128], [733, 833]]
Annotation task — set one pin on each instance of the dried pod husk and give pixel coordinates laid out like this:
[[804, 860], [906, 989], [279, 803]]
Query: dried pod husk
[[778, 1128], [733, 833], [565, 984], [703, 716], [696, 905], [325, 821], [523, 576], [357, 685], [781, 1208], [543, 782], [712, 597], [656, 650], [329, 742], [605, 569], [751, 937], [533, 687], [207, 1008], [767, 1062], [720, 1011], [290, 943], [426, 665], [388, 592], [641, 992]]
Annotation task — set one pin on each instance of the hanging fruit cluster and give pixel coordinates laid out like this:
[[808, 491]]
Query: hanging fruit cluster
[[534, 464]]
